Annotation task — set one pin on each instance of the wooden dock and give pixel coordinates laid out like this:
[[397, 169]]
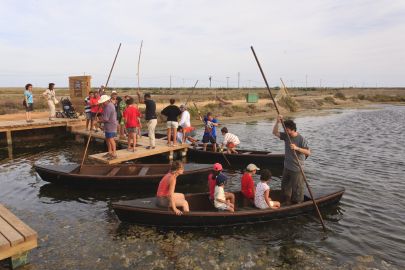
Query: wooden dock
[[16, 238], [140, 150]]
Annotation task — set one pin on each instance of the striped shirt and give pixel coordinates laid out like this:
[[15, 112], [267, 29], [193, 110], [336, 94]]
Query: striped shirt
[[230, 138], [87, 107]]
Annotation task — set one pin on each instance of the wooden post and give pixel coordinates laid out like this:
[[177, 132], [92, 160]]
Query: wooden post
[[184, 152], [19, 260], [9, 137], [171, 155]]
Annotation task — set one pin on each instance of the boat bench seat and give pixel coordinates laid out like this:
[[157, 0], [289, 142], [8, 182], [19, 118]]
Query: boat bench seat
[[143, 171], [113, 171], [246, 153]]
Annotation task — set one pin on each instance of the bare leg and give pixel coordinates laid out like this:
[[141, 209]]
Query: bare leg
[[113, 146], [214, 147], [169, 137], [230, 196], [129, 139], [205, 146], [174, 136], [181, 201], [133, 135]]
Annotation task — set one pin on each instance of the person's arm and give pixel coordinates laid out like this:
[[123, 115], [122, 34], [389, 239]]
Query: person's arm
[[164, 111], [266, 197], [305, 151], [275, 128], [172, 186]]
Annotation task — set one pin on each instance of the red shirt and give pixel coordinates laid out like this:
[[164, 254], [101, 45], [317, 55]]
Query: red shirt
[[95, 106], [131, 114], [211, 185], [247, 186], [163, 189]]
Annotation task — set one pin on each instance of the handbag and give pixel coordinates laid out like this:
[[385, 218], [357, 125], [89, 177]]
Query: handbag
[[55, 100]]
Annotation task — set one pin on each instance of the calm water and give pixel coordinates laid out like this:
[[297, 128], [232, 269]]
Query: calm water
[[361, 150]]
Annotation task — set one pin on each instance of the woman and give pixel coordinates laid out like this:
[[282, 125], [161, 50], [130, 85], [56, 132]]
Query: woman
[[29, 102], [50, 96], [166, 197]]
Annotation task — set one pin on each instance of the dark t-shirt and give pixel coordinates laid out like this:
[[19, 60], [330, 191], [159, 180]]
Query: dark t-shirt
[[172, 112], [150, 111], [290, 162]]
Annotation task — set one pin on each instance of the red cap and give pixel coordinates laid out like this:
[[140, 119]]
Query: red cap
[[217, 167]]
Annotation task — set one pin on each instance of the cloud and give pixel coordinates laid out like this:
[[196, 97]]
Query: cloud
[[356, 42]]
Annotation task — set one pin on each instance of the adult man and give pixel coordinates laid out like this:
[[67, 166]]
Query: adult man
[[150, 117], [171, 112], [109, 118], [292, 184]]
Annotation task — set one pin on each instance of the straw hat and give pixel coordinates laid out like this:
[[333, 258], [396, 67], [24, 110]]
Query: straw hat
[[103, 98]]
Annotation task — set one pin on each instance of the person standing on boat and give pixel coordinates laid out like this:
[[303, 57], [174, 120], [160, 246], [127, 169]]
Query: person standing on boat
[[109, 118], [247, 184], [172, 113], [210, 133], [165, 196], [29, 102], [292, 184], [150, 117], [50, 97]]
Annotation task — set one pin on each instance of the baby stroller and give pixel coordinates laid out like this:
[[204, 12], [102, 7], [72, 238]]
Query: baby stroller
[[68, 109]]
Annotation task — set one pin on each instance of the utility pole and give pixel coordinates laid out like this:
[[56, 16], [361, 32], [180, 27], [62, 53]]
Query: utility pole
[[183, 82], [306, 80], [170, 81], [227, 82], [210, 78], [238, 79]]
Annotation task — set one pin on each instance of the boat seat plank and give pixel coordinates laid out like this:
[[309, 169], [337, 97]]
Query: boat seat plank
[[246, 153], [13, 236], [17, 224], [4, 243], [143, 171], [113, 172]]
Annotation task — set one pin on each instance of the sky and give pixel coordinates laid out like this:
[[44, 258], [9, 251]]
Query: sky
[[359, 43]]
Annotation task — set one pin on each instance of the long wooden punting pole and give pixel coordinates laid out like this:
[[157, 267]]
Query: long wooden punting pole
[[289, 140], [185, 104], [90, 133], [202, 120], [139, 64]]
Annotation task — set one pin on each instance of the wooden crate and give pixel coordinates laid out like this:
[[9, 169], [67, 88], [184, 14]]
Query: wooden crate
[[79, 87]]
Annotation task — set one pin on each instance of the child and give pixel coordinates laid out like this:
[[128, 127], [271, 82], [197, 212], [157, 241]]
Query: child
[[183, 137], [230, 141], [210, 134], [131, 115], [262, 195], [220, 201], [95, 110], [87, 109]]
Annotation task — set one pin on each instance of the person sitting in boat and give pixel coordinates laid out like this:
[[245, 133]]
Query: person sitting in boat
[[183, 137], [220, 202], [210, 134], [212, 181], [262, 194], [231, 141], [247, 185], [185, 122], [166, 197]]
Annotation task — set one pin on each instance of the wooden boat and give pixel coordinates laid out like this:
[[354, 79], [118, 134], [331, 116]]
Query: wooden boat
[[118, 176], [265, 159], [203, 214]]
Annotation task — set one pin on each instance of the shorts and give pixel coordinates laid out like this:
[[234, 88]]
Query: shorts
[[191, 133], [93, 115], [110, 135], [30, 107], [88, 115], [209, 138], [131, 129], [230, 145], [172, 124], [292, 186], [162, 201]]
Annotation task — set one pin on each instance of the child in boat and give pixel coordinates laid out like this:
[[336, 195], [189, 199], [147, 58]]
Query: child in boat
[[220, 201], [166, 197], [247, 184], [212, 181], [131, 118], [230, 141], [210, 135], [262, 195]]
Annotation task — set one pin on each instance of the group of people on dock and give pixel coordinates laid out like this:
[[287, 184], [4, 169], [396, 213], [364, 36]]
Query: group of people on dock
[[50, 97], [292, 185]]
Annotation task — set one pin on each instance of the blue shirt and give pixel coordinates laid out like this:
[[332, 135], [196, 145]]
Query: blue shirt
[[213, 128], [29, 96]]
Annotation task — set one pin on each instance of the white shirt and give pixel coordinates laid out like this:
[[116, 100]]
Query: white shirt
[[219, 193], [185, 119], [260, 202], [229, 137]]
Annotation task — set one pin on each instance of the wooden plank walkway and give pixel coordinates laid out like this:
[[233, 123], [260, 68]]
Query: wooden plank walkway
[[140, 150], [37, 124], [16, 238]]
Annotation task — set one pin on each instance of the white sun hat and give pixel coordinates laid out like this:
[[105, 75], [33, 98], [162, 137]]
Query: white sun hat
[[251, 167], [103, 99]]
